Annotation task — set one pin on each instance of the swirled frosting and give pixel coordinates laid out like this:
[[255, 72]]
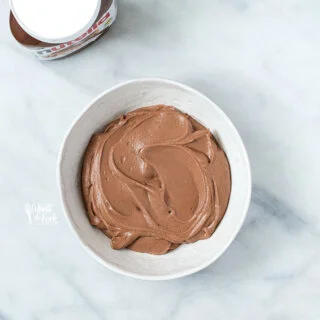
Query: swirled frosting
[[154, 179]]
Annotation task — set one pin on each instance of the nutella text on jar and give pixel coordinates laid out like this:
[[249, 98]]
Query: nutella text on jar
[[55, 29]]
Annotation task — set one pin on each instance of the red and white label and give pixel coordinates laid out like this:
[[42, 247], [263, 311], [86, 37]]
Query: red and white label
[[64, 49]]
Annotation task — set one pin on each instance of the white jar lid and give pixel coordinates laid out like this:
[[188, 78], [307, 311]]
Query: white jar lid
[[55, 21]]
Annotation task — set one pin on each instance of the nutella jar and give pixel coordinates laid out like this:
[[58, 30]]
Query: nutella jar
[[55, 29]]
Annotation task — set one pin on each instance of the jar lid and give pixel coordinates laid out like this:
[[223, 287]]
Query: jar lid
[[55, 21]]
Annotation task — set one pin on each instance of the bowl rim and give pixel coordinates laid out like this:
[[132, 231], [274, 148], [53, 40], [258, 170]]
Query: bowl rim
[[66, 210]]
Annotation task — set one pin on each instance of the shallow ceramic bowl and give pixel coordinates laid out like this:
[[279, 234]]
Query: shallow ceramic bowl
[[125, 97]]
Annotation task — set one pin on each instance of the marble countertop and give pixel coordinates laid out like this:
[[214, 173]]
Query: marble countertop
[[259, 61]]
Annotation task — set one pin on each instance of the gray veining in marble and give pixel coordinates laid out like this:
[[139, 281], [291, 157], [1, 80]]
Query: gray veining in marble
[[259, 60]]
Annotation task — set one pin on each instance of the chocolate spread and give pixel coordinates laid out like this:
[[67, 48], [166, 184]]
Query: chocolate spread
[[154, 179], [50, 51]]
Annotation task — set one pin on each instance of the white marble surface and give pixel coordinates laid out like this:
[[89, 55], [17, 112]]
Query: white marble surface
[[259, 60]]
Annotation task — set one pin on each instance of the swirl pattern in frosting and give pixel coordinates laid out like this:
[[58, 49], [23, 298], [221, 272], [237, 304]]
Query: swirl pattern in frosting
[[154, 179]]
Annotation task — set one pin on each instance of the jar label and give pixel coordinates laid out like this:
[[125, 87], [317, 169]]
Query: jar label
[[93, 33]]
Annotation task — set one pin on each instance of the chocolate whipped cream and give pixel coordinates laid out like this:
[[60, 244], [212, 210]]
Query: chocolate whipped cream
[[155, 179]]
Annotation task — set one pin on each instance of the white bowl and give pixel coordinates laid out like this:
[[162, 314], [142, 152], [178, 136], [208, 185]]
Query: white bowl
[[120, 99]]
